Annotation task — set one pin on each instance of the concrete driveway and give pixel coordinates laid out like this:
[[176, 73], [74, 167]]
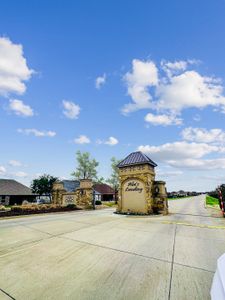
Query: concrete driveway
[[101, 255]]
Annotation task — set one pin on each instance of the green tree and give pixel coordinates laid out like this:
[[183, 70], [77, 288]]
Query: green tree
[[114, 178], [100, 180], [43, 185], [86, 168]]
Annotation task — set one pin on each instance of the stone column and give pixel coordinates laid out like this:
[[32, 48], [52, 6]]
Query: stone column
[[57, 192], [160, 197], [85, 193]]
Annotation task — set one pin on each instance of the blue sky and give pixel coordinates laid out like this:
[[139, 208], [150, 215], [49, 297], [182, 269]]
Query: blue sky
[[111, 77]]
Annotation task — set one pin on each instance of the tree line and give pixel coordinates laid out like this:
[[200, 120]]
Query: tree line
[[86, 169]]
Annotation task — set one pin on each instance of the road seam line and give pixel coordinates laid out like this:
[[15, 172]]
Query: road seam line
[[194, 225], [11, 297], [172, 263], [117, 250]]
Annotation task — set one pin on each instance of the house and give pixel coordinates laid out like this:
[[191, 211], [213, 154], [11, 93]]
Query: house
[[12, 192], [70, 185], [104, 192]]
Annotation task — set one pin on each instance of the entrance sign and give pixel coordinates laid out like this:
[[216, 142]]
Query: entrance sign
[[134, 191], [139, 193], [134, 186]]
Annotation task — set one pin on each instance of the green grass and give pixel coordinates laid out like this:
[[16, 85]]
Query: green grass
[[211, 201], [109, 203]]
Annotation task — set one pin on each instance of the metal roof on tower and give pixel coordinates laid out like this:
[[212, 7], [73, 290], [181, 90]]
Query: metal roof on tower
[[136, 158]]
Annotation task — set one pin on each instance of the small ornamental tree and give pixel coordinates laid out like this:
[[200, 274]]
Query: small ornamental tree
[[43, 185], [114, 178], [86, 167]]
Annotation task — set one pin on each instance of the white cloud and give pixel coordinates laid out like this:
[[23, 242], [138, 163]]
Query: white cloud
[[170, 92], [197, 118], [13, 68], [186, 155], [202, 135], [99, 142], [111, 141], [15, 163], [100, 81], [179, 150], [187, 90], [82, 139], [175, 67], [169, 174], [20, 174], [200, 164], [37, 133], [143, 76], [163, 119], [71, 110], [2, 170], [20, 109]]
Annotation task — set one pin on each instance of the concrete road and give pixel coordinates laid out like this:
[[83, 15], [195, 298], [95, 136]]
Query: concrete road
[[101, 255]]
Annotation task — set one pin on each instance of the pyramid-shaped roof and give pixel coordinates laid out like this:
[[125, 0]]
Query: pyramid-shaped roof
[[136, 158]]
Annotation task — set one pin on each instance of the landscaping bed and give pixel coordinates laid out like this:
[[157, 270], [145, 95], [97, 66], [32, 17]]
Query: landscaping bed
[[35, 209]]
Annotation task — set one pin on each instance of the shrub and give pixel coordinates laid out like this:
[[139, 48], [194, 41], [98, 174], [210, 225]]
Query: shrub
[[35, 209], [71, 206], [2, 208], [25, 202], [98, 202], [16, 209]]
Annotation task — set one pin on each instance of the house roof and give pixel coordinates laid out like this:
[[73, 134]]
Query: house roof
[[103, 188], [136, 158], [10, 187], [71, 185]]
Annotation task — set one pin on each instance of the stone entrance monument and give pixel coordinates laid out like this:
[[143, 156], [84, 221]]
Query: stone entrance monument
[[75, 192], [139, 193]]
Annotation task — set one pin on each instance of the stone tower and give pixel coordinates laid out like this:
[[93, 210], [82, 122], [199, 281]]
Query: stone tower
[[139, 193]]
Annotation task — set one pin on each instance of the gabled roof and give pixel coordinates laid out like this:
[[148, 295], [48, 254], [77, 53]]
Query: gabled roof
[[136, 158], [10, 187], [103, 188], [71, 185]]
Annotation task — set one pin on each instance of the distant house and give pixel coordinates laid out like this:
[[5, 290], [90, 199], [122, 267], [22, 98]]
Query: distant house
[[104, 192], [182, 193], [70, 185], [13, 192]]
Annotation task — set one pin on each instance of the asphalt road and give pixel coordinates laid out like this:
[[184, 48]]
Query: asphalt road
[[101, 255]]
